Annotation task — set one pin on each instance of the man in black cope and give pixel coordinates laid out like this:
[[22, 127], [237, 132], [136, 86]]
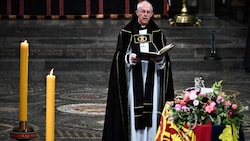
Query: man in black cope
[[138, 89]]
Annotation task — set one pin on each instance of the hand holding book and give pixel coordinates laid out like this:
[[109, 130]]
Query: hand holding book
[[150, 55]]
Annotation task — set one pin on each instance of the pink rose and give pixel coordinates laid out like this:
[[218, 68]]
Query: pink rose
[[177, 107], [234, 106], [186, 97], [185, 108], [227, 104], [183, 102], [219, 99], [212, 104], [209, 109], [202, 94]]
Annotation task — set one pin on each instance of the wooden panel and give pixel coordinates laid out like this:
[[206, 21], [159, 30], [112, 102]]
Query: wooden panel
[[71, 9], [54, 7], [114, 6], [3, 7], [34, 7], [75, 7], [15, 7]]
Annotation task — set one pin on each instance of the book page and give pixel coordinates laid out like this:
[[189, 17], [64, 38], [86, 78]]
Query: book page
[[166, 48], [148, 55]]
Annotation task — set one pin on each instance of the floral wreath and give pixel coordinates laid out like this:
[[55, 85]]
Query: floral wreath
[[199, 105]]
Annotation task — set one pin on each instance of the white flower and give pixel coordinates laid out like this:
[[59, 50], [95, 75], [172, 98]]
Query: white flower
[[192, 96], [196, 102]]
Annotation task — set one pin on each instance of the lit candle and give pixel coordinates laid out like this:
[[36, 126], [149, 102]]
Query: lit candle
[[50, 106], [24, 56]]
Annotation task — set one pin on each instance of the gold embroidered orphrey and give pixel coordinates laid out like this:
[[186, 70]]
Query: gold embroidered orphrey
[[141, 38]]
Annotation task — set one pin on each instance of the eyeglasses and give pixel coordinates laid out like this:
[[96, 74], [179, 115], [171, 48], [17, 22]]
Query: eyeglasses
[[146, 11]]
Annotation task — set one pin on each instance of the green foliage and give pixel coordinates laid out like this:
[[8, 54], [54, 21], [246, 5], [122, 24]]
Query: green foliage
[[194, 108]]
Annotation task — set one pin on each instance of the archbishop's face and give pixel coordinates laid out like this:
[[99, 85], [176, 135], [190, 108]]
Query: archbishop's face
[[144, 13]]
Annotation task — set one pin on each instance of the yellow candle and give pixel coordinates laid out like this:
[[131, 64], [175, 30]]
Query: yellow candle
[[50, 106], [24, 56]]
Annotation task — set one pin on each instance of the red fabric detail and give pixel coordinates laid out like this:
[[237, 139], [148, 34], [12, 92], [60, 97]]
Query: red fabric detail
[[160, 130], [203, 132]]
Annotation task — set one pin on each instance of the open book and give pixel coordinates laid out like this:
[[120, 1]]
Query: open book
[[148, 55]]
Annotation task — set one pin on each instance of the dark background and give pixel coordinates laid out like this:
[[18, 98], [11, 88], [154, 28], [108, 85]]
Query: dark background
[[236, 9]]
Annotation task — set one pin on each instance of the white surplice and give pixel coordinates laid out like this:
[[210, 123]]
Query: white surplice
[[147, 134]]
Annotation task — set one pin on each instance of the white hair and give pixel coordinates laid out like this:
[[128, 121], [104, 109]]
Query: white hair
[[144, 1]]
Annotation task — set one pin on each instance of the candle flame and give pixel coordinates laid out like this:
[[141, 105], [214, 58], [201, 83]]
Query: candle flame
[[51, 71], [25, 41]]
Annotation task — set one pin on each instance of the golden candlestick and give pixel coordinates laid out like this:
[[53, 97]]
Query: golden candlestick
[[184, 18], [24, 59], [50, 106], [23, 132]]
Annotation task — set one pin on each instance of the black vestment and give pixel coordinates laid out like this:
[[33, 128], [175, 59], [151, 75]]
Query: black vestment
[[116, 126]]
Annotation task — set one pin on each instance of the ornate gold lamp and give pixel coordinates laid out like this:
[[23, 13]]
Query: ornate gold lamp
[[184, 18]]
